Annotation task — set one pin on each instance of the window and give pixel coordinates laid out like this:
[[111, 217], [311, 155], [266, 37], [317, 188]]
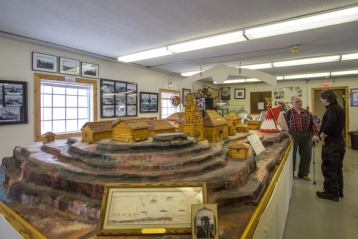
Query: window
[[63, 107], [166, 107]]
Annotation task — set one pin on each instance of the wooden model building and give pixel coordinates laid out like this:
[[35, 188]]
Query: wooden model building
[[254, 124], [242, 128], [130, 130], [92, 132], [48, 137], [233, 121], [215, 127], [160, 127], [193, 121], [240, 151]]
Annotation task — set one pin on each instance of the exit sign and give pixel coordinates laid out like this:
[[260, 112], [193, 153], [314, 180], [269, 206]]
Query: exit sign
[[326, 84]]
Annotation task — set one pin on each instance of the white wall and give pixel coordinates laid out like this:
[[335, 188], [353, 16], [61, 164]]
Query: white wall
[[15, 64], [351, 82]]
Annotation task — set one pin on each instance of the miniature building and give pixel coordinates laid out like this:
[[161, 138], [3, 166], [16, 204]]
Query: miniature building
[[233, 121], [193, 121], [48, 137], [215, 127], [130, 130], [93, 132], [240, 151], [254, 124], [160, 127], [242, 128]]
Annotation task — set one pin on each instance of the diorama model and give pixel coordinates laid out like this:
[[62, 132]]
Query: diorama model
[[58, 186]]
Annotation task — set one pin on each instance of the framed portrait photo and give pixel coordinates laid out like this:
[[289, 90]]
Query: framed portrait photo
[[89, 70], [148, 102], [185, 92], [69, 66], [134, 209], [239, 93], [225, 93], [44, 62], [204, 221]]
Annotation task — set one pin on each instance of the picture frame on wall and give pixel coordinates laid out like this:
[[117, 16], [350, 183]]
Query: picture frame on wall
[[44, 62], [225, 93], [139, 208], [148, 102], [13, 102], [185, 92], [354, 97], [89, 70], [70, 66], [239, 93], [204, 221]]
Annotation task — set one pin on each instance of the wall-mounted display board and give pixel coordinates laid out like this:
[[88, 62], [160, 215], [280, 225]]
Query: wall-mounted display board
[[13, 102], [118, 98]]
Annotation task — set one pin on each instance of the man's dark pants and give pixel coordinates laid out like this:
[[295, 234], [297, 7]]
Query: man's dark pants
[[332, 166], [303, 142]]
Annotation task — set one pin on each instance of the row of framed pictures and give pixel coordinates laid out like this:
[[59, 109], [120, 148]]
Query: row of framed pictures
[[13, 102], [55, 64]]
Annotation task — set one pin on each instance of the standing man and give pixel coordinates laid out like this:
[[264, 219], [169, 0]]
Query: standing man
[[333, 149], [300, 126]]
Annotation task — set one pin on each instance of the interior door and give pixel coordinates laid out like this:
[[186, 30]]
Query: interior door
[[258, 102]]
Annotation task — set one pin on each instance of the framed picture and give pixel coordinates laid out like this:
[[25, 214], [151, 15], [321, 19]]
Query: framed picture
[[69, 66], [148, 102], [225, 93], [184, 93], [44, 62], [354, 97], [204, 218], [89, 70], [118, 98], [149, 208], [13, 102], [239, 93]]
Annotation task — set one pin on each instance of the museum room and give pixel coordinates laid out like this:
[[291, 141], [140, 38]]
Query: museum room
[[178, 119]]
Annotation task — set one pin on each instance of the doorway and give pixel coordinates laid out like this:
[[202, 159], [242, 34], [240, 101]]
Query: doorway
[[342, 94], [258, 101]]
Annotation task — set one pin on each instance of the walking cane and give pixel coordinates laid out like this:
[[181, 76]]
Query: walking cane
[[314, 163]]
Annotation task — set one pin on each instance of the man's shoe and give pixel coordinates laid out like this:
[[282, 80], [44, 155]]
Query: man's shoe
[[326, 195], [306, 178]]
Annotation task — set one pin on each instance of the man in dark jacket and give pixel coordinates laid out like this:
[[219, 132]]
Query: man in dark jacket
[[333, 149]]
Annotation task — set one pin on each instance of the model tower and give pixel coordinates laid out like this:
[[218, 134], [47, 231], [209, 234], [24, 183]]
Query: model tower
[[193, 121]]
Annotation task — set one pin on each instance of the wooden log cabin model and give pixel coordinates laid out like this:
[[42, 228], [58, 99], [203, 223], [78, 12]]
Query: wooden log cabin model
[[62, 181]]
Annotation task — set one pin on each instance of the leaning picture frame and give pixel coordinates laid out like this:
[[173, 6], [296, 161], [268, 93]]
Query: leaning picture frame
[[151, 208], [44, 62], [70, 66], [204, 219]]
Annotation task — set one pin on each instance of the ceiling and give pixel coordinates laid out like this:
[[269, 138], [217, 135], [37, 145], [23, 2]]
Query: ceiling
[[114, 28]]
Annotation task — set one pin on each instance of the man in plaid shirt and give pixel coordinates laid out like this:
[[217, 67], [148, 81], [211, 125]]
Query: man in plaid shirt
[[301, 128]]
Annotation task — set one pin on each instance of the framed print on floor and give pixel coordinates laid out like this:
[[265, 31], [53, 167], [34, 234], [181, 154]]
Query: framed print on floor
[[149, 208], [69, 66], [148, 102], [44, 62], [13, 102], [239, 93]]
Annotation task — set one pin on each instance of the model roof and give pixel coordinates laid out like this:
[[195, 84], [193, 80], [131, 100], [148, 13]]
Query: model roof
[[99, 126], [135, 123], [212, 118], [160, 125], [232, 116]]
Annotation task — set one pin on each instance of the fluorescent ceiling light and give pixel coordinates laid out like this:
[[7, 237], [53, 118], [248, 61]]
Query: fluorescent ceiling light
[[307, 61], [279, 78], [186, 74], [252, 80], [352, 56], [304, 23], [343, 73], [257, 66], [206, 42], [307, 76], [145, 55], [235, 81]]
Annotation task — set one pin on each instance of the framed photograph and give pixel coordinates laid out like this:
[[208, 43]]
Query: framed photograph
[[239, 93], [89, 70], [44, 62], [184, 93], [354, 97], [148, 102], [69, 66], [13, 102], [118, 98], [225, 93], [149, 208], [204, 218]]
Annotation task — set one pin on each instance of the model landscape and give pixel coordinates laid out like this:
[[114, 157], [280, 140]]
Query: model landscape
[[57, 185]]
